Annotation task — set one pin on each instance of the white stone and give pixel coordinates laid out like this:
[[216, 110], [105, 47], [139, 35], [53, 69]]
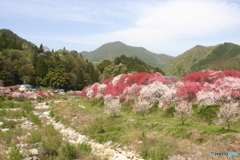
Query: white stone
[[124, 153], [100, 147], [119, 157], [33, 152], [22, 145], [129, 155], [109, 152], [119, 150], [107, 144], [5, 129]]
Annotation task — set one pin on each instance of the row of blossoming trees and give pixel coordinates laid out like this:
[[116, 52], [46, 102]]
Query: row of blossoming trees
[[202, 88]]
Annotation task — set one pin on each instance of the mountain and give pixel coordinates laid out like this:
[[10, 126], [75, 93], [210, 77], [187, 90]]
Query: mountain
[[116, 49], [9, 40], [224, 56]]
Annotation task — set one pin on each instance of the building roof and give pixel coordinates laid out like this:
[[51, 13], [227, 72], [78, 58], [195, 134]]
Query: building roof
[[27, 85]]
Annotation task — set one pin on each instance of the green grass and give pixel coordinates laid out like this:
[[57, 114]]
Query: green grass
[[9, 137], [155, 136], [9, 123], [35, 119], [34, 137], [15, 154], [69, 151]]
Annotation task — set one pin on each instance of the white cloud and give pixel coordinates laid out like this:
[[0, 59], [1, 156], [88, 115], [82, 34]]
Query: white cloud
[[168, 23], [190, 17], [153, 24]]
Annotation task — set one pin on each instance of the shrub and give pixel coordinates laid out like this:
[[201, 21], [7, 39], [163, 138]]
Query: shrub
[[84, 149], [68, 151], [207, 113], [154, 150], [51, 113], [34, 137], [51, 141]]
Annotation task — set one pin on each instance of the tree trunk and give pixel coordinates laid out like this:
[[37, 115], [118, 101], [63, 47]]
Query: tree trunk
[[182, 122], [229, 125]]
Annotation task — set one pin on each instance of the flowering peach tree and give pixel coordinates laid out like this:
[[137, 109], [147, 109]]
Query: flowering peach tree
[[182, 111], [200, 88], [112, 105], [228, 113], [141, 107]]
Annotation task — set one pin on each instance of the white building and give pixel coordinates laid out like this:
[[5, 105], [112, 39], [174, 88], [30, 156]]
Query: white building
[[25, 87]]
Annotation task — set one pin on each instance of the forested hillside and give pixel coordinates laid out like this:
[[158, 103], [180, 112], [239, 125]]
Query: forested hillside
[[23, 62], [116, 49], [9, 40], [220, 57], [124, 65]]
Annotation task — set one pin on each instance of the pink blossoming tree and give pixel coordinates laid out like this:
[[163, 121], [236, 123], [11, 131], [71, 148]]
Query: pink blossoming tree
[[228, 113], [182, 111], [112, 105], [141, 107]]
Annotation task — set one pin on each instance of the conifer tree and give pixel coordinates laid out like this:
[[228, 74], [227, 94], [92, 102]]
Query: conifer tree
[[41, 68], [41, 50], [80, 79]]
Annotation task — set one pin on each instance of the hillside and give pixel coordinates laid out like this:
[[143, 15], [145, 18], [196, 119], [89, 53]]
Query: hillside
[[116, 49], [23, 62], [10, 40], [220, 57]]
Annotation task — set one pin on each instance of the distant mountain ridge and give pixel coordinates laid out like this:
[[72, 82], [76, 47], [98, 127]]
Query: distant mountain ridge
[[115, 49], [224, 56]]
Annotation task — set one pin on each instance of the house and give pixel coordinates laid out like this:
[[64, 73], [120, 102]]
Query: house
[[25, 87]]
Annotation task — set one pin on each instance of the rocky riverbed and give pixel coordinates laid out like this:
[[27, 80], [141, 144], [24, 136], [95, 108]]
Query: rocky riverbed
[[69, 134], [108, 150]]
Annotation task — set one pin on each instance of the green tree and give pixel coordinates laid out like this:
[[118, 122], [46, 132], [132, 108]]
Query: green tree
[[92, 73], [8, 73], [34, 58], [26, 73], [102, 65], [80, 82], [41, 50], [56, 76], [42, 68], [72, 79], [113, 70]]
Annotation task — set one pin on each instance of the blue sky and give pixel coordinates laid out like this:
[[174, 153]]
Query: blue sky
[[161, 26]]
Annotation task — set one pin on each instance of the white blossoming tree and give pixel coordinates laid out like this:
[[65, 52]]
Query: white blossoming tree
[[154, 92], [183, 110], [228, 113], [141, 106], [112, 105]]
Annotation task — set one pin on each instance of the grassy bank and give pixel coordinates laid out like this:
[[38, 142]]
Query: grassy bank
[[155, 136]]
